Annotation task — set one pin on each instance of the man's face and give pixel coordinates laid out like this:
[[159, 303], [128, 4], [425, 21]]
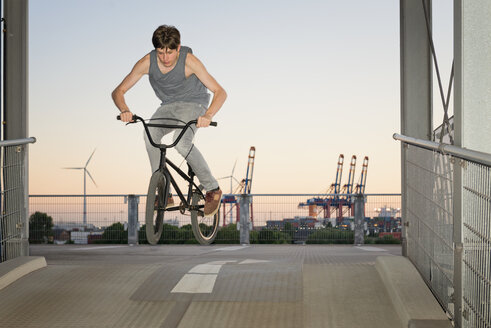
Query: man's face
[[168, 57]]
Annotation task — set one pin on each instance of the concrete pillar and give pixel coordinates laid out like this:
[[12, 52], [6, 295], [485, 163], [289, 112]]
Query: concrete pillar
[[416, 84], [16, 69], [472, 109], [133, 202], [15, 107], [359, 219], [472, 52], [244, 224]]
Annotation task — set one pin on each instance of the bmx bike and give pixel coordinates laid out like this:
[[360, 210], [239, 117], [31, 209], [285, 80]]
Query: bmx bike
[[204, 228]]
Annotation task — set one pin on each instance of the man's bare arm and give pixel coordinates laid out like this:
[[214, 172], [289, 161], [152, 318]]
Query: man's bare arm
[[141, 68], [219, 95]]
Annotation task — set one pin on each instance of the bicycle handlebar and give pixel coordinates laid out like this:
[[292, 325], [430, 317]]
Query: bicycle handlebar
[[137, 118]]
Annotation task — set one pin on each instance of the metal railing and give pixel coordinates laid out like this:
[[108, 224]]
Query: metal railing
[[476, 233], [275, 218], [13, 198], [447, 220], [429, 219]]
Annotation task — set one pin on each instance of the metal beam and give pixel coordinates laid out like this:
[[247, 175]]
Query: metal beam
[[16, 71], [416, 71], [416, 85], [15, 118]]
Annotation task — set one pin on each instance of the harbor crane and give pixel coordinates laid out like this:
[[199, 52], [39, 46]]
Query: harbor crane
[[339, 200], [360, 187], [243, 187], [348, 188]]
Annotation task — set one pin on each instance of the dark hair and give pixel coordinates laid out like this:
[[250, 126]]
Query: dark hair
[[166, 37]]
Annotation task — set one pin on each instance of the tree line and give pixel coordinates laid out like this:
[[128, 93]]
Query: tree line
[[41, 231]]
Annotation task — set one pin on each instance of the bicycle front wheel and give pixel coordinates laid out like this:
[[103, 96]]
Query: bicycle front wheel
[[205, 229], [155, 207]]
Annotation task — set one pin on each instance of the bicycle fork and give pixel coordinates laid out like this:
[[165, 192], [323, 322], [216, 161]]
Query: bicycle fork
[[162, 168], [186, 203]]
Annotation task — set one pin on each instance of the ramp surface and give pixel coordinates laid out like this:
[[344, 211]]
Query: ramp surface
[[198, 286]]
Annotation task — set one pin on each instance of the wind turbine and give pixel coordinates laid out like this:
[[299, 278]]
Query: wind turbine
[[231, 176], [85, 179]]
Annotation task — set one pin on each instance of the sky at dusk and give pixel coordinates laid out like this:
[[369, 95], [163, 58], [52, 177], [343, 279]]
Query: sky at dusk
[[306, 81]]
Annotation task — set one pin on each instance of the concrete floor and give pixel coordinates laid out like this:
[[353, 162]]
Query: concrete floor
[[202, 286]]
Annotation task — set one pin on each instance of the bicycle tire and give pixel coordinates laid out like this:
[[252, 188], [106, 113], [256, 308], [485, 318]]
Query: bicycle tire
[[205, 229], [154, 217]]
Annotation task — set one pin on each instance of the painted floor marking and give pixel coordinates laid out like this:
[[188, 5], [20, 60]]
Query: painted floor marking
[[371, 249], [201, 278], [94, 248], [253, 261], [221, 262], [206, 268], [232, 248], [195, 283]]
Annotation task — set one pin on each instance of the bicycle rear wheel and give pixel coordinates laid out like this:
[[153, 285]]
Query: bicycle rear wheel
[[155, 207], [205, 229]]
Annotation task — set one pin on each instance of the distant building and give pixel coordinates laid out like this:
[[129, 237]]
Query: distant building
[[61, 235], [76, 232], [172, 222], [387, 212], [83, 237], [298, 222], [76, 226]]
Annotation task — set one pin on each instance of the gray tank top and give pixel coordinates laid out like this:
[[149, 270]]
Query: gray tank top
[[173, 86]]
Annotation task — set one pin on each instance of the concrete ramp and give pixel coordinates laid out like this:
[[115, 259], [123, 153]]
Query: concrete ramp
[[412, 299], [207, 286], [17, 268]]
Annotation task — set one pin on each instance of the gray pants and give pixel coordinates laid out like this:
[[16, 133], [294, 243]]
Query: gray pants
[[185, 112]]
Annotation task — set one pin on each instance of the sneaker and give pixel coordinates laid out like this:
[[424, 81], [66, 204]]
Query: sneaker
[[170, 202], [212, 202]]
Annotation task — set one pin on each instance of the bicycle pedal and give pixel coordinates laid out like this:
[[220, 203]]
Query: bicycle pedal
[[182, 208]]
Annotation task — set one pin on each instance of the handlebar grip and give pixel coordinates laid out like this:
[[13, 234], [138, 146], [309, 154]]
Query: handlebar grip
[[213, 123], [119, 117]]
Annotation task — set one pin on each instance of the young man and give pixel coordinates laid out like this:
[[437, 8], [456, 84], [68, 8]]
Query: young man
[[180, 81]]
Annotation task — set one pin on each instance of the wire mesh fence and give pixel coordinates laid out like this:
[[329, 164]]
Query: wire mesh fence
[[429, 195], [448, 218], [13, 199], [476, 230], [301, 218]]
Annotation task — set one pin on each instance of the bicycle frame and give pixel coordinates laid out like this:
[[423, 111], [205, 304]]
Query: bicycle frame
[[164, 161], [188, 177]]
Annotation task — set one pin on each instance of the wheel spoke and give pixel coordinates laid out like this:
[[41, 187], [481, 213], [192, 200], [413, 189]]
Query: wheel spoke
[[155, 207], [204, 228]]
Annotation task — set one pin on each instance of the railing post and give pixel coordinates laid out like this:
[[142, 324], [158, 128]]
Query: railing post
[[133, 201], [458, 244], [404, 221], [25, 201], [244, 224], [359, 219]]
